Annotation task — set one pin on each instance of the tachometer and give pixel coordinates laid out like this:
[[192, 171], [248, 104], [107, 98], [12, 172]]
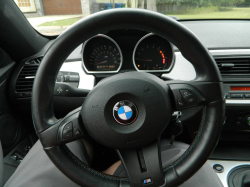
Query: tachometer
[[101, 54], [153, 54]]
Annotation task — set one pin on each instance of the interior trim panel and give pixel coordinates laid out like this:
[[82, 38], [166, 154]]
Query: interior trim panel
[[86, 81], [228, 166]]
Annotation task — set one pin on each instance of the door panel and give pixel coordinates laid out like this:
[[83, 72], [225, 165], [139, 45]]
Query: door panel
[[8, 123]]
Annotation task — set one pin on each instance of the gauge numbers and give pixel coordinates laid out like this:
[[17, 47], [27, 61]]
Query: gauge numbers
[[101, 54]]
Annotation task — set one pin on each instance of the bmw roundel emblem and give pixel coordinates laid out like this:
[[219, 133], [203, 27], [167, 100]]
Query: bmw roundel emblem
[[125, 112]]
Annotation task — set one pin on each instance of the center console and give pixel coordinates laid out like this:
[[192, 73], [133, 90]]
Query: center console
[[237, 103], [231, 158]]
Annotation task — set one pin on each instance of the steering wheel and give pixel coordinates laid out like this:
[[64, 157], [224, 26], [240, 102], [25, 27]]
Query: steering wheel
[[150, 99]]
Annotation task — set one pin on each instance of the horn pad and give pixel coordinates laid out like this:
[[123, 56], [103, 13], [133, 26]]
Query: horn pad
[[127, 110]]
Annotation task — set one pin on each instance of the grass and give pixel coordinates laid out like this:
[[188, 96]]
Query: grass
[[197, 13], [234, 13], [63, 22]]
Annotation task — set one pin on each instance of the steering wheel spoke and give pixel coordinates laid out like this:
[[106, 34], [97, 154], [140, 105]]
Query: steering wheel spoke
[[188, 94], [66, 130], [143, 166]]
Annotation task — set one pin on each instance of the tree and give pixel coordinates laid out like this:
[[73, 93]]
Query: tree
[[151, 5], [129, 4], [140, 3], [200, 3]]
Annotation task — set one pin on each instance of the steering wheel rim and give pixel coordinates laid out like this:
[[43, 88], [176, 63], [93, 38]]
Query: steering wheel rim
[[197, 54]]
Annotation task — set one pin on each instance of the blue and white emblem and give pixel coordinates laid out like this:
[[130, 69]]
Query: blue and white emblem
[[125, 112]]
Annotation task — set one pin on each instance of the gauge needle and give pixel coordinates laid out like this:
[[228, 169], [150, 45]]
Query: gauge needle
[[149, 60], [102, 62]]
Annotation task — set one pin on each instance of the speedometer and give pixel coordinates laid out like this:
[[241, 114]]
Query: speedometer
[[101, 54], [153, 54]]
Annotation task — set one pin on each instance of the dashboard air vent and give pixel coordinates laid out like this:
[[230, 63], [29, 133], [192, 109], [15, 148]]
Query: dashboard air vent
[[234, 66], [27, 74]]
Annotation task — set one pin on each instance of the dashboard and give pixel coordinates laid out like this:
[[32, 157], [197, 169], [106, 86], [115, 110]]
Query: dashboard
[[125, 50]]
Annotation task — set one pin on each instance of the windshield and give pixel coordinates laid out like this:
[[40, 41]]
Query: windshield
[[52, 17]]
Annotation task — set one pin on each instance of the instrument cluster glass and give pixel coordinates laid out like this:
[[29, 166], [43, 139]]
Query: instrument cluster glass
[[101, 54], [153, 54]]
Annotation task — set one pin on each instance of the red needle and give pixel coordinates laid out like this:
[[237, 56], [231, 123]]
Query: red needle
[[102, 62]]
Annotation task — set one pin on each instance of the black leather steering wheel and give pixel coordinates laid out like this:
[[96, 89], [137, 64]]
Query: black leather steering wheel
[[153, 99]]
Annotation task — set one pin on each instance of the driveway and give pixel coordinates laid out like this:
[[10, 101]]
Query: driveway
[[39, 20]]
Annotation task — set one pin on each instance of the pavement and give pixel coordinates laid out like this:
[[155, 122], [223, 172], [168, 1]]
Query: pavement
[[50, 30]]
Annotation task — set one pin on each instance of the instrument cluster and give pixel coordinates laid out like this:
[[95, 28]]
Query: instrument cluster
[[152, 53]]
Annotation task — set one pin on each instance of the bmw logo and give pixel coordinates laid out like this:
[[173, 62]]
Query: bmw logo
[[125, 112]]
